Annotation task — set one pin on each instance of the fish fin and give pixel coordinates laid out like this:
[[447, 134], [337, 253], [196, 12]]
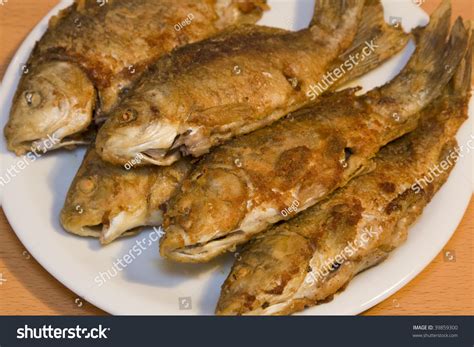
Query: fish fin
[[337, 19], [457, 94], [382, 39], [328, 14], [449, 111], [428, 71]]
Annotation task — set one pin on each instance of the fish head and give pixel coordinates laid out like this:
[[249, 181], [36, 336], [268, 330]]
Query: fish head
[[195, 229], [267, 275], [135, 130], [106, 201], [54, 101]]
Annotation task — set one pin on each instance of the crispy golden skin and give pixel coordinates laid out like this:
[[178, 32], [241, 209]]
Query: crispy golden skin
[[109, 201], [90, 47], [267, 176], [308, 259], [228, 85], [373, 28]]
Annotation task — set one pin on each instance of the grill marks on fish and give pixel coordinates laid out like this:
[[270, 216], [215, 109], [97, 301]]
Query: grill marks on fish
[[337, 123], [112, 46]]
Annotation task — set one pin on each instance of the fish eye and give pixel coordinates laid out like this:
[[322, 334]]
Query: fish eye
[[124, 91], [87, 185], [129, 115], [33, 99]]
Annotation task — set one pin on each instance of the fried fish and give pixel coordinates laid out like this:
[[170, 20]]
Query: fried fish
[[107, 201], [92, 52], [270, 175], [372, 27], [305, 261], [388, 39], [228, 85]]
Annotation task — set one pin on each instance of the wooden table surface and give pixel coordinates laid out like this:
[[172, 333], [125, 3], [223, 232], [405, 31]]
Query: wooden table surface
[[446, 286]]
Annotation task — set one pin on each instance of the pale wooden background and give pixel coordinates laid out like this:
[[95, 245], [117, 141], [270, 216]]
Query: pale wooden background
[[444, 287]]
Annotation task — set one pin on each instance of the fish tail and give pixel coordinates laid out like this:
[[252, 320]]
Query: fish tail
[[429, 70], [456, 96], [338, 19], [461, 81], [441, 120], [375, 42]]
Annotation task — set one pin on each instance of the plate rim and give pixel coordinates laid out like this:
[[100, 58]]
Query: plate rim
[[9, 80]]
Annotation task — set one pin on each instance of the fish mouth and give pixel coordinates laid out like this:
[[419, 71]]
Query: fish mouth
[[122, 224], [160, 157], [202, 252], [160, 143], [152, 145], [54, 142], [176, 244], [180, 146], [101, 231], [46, 144]]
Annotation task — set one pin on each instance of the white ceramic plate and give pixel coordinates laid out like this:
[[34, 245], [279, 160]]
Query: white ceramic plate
[[150, 285]]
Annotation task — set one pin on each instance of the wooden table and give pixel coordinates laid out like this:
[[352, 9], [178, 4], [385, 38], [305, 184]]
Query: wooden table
[[446, 286]]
